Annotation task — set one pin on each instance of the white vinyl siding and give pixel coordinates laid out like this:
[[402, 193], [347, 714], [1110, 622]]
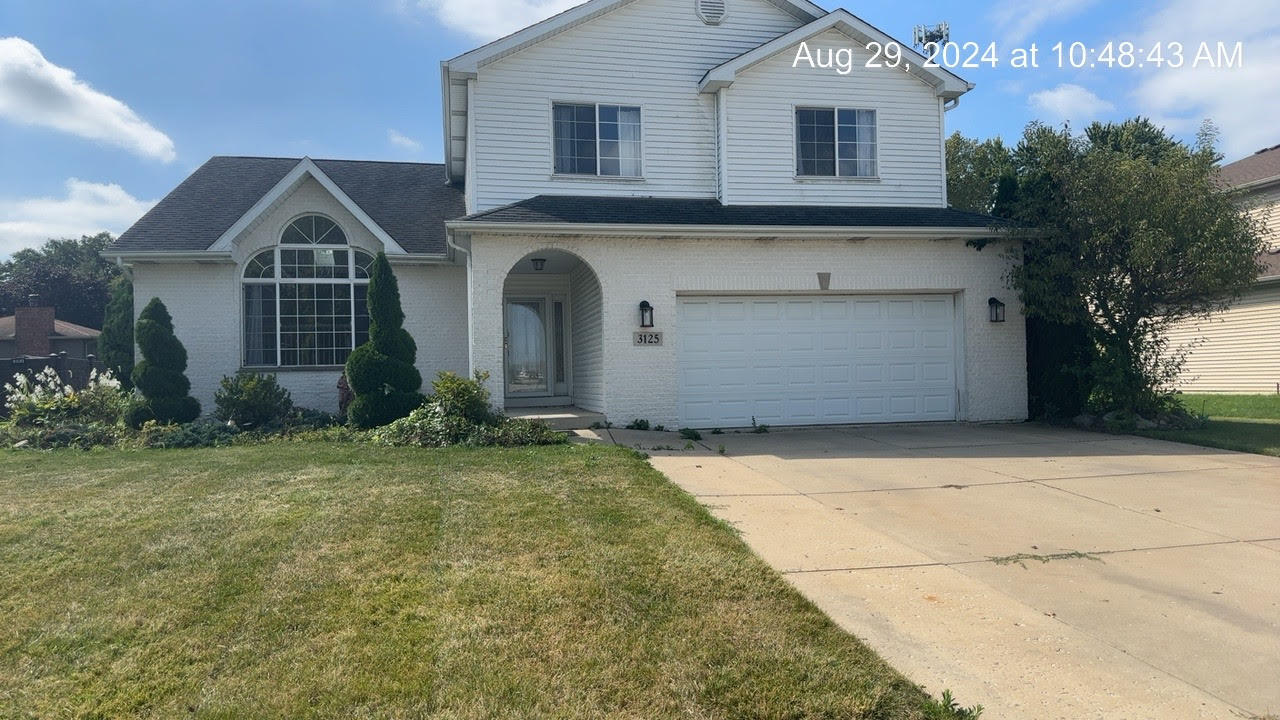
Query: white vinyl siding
[[761, 135], [587, 324], [648, 54], [1237, 351]]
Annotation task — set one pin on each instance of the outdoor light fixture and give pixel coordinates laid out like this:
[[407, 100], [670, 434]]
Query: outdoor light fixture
[[646, 314], [539, 263], [997, 310]]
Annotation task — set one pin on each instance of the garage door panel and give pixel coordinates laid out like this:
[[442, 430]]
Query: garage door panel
[[816, 360]]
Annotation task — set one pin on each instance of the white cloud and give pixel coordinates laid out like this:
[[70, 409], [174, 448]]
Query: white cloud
[[1069, 103], [490, 19], [1241, 101], [88, 208], [403, 141], [34, 91], [1017, 20]]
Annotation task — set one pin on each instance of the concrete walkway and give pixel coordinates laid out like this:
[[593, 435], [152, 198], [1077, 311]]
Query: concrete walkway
[[1041, 572]]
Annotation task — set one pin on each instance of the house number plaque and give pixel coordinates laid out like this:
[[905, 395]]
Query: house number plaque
[[647, 338]]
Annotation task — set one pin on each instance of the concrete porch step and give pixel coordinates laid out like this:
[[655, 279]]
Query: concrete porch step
[[559, 418]]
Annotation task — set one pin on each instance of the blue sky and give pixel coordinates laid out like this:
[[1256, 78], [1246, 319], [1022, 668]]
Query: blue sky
[[106, 106]]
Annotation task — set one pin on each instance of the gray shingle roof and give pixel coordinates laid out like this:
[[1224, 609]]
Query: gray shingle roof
[[1262, 165], [410, 201], [557, 209]]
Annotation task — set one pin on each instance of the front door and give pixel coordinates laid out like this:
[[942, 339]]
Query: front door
[[526, 347]]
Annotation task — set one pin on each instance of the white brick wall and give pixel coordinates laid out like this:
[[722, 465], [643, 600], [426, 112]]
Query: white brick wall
[[205, 302], [640, 382]]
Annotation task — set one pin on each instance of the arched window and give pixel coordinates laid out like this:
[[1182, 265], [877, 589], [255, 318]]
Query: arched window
[[305, 299]]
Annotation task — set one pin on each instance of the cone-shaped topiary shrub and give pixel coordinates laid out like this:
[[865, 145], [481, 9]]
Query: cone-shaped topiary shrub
[[159, 374], [381, 371], [115, 345]]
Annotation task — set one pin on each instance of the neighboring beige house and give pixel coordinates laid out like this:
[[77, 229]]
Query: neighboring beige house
[[1238, 351]]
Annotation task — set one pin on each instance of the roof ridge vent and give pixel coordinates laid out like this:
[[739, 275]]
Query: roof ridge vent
[[711, 12]]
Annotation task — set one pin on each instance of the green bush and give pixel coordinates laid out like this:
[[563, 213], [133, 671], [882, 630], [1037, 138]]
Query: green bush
[[66, 434], [252, 400], [190, 435], [459, 414], [431, 426], [159, 375], [459, 397], [381, 372]]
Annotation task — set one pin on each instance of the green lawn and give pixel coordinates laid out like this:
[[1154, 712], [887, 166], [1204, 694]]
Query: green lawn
[[1248, 423], [1263, 407], [339, 580]]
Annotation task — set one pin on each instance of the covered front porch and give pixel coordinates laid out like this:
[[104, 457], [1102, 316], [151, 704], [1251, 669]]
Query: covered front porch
[[552, 355]]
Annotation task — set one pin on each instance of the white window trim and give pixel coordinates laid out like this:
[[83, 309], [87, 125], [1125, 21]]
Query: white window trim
[[837, 178], [551, 115], [276, 281]]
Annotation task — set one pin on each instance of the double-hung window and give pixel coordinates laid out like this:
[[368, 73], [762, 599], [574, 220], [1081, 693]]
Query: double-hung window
[[305, 300], [835, 142], [602, 140]]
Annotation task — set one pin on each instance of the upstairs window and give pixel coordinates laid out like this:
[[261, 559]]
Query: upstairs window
[[836, 142], [602, 140], [305, 300]]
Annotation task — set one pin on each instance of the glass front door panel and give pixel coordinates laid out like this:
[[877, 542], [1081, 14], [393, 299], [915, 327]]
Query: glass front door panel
[[526, 359]]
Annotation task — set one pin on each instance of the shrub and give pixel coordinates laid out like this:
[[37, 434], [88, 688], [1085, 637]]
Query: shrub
[[190, 435], [159, 375], [459, 414], [252, 400], [46, 401], [381, 371], [431, 426], [71, 434], [690, 434], [638, 424], [460, 397], [115, 345]]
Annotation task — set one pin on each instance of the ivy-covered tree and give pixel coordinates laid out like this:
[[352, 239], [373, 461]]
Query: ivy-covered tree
[[159, 375], [115, 345], [381, 371]]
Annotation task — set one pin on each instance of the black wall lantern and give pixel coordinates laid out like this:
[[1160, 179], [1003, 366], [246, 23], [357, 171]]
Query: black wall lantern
[[646, 314], [539, 263], [997, 310]]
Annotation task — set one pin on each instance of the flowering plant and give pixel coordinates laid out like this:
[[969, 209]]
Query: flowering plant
[[44, 399]]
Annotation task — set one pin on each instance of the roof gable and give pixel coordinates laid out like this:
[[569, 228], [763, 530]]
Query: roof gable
[[471, 61], [305, 168], [407, 202], [946, 84]]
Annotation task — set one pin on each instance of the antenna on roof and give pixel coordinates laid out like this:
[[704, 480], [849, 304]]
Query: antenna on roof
[[925, 34]]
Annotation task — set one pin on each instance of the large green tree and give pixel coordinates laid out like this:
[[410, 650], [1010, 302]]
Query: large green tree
[[68, 274], [115, 345], [974, 170], [381, 372], [1126, 232]]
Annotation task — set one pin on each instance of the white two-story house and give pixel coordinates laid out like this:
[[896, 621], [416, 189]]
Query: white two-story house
[[649, 209]]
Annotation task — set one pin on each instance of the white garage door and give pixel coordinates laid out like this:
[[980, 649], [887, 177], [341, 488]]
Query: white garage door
[[814, 360]]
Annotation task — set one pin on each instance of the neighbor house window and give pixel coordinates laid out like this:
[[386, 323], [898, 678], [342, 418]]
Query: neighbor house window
[[596, 140], [835, 142], [305, 300]]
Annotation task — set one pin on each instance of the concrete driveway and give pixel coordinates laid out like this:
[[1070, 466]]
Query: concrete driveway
[[1041, 572]]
